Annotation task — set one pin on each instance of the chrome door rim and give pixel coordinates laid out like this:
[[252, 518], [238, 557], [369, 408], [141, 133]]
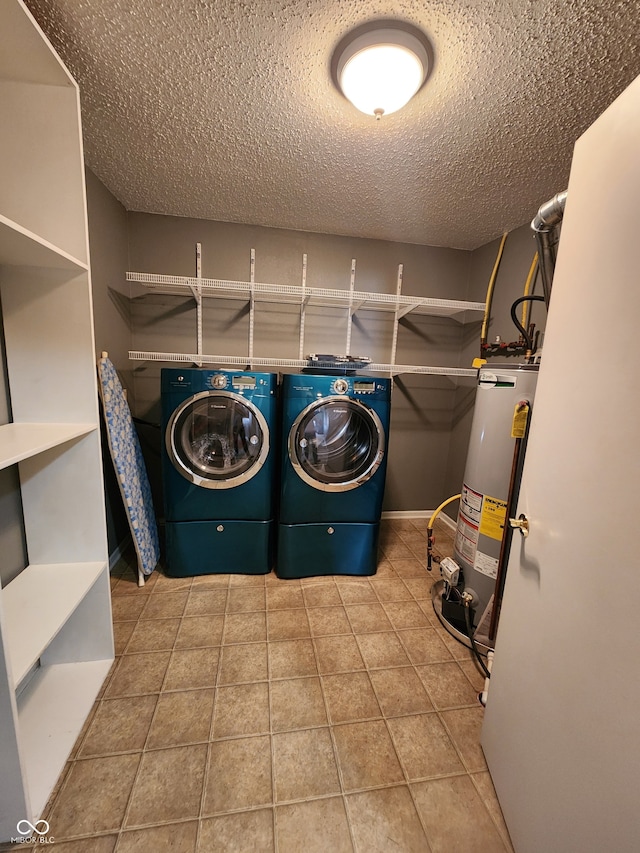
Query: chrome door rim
[[347, 485], [205, 482]]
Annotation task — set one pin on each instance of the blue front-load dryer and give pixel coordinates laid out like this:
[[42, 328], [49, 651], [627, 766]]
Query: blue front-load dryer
[[335, 435], [218, 470]]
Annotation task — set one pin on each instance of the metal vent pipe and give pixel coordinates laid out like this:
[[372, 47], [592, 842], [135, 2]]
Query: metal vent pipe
[[545, 226]]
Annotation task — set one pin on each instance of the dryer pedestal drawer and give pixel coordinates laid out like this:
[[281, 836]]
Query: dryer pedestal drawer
[[220, 547], [307, 550]]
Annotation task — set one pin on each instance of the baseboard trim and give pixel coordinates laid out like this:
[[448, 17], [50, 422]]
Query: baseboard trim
[[419, 513], [118, 553], [408, 513], [449, 522]]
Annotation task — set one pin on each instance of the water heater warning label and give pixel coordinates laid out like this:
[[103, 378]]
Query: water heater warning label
[[466, 539], [492, 517], [486, 565], [470, 504]]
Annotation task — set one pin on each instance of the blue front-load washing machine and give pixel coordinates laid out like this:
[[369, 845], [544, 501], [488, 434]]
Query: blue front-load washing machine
[[219, 471], [335, 433]]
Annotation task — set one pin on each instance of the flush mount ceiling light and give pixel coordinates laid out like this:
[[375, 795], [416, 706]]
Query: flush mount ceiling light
[[380, 66]]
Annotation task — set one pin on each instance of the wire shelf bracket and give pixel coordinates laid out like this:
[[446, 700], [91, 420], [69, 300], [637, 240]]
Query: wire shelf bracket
[[253, 292]]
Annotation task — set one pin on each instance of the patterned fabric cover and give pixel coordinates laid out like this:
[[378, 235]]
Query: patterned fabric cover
[[130, 468]]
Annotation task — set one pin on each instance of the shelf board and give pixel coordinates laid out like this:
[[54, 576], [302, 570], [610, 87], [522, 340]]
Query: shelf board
[[37, 603], [21, 247], [21, 441], [241, 362], [52, 710], [324, 297]]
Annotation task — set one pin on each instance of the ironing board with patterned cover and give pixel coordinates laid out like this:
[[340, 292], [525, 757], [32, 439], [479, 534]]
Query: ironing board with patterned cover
[[130, 468]]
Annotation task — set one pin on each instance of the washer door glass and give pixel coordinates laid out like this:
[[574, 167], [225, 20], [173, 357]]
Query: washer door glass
[[217, 439], [336, 444]]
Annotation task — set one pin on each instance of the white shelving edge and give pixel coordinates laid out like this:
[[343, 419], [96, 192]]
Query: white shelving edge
[[397, 369], [281, 293], [241, 361], [234, 360], [20, 247], [66, 692], [21, 441], [36, 604], [56, 640], [28, 54]]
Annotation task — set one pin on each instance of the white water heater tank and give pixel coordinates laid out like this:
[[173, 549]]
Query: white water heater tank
[[483, 504]]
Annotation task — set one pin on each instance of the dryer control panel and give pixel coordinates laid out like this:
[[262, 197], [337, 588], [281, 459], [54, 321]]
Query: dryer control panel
[[354, 386], [243, 380]]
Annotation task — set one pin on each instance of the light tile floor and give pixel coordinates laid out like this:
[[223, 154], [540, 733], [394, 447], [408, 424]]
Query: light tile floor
[[254, 714]]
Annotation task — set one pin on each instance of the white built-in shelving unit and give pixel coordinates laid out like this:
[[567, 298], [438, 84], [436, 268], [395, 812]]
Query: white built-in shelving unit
[[56, 637], [396, 305]]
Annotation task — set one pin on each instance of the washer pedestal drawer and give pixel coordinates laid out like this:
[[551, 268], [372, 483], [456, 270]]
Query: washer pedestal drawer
[[219, 547], [307, 550]]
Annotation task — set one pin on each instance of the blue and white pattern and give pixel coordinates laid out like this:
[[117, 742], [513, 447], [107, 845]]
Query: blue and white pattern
[[130, 468]]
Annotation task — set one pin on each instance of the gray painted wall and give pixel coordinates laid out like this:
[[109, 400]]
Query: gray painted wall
[[423, 406], [108, 243], [112, 320]]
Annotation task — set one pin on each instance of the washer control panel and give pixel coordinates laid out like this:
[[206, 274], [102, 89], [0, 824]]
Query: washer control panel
[[364, 386], [219, 381], [340, 386]]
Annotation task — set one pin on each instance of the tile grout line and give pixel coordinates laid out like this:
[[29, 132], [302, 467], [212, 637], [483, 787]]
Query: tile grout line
[[274, 814], [385, 721], [144, 746], [440, 712], [334, 746], [378, 599], [208, 755], [408, 782], [449, 735], [499, 829], [75, 754], [395, 748]]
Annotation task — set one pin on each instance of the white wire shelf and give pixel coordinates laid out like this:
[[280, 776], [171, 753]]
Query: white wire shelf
[[295, 363], [325, 297]]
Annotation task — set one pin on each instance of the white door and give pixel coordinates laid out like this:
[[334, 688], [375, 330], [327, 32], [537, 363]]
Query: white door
[[562, 724]]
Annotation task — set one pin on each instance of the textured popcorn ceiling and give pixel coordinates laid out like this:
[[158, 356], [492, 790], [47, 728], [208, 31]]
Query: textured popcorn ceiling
[[225, 110]]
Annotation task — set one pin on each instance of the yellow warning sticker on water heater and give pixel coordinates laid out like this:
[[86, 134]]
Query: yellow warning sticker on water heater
[[492, 518], [520, 417]]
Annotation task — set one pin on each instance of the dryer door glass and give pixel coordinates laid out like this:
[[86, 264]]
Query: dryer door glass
[[338, 444], [217, 437]]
